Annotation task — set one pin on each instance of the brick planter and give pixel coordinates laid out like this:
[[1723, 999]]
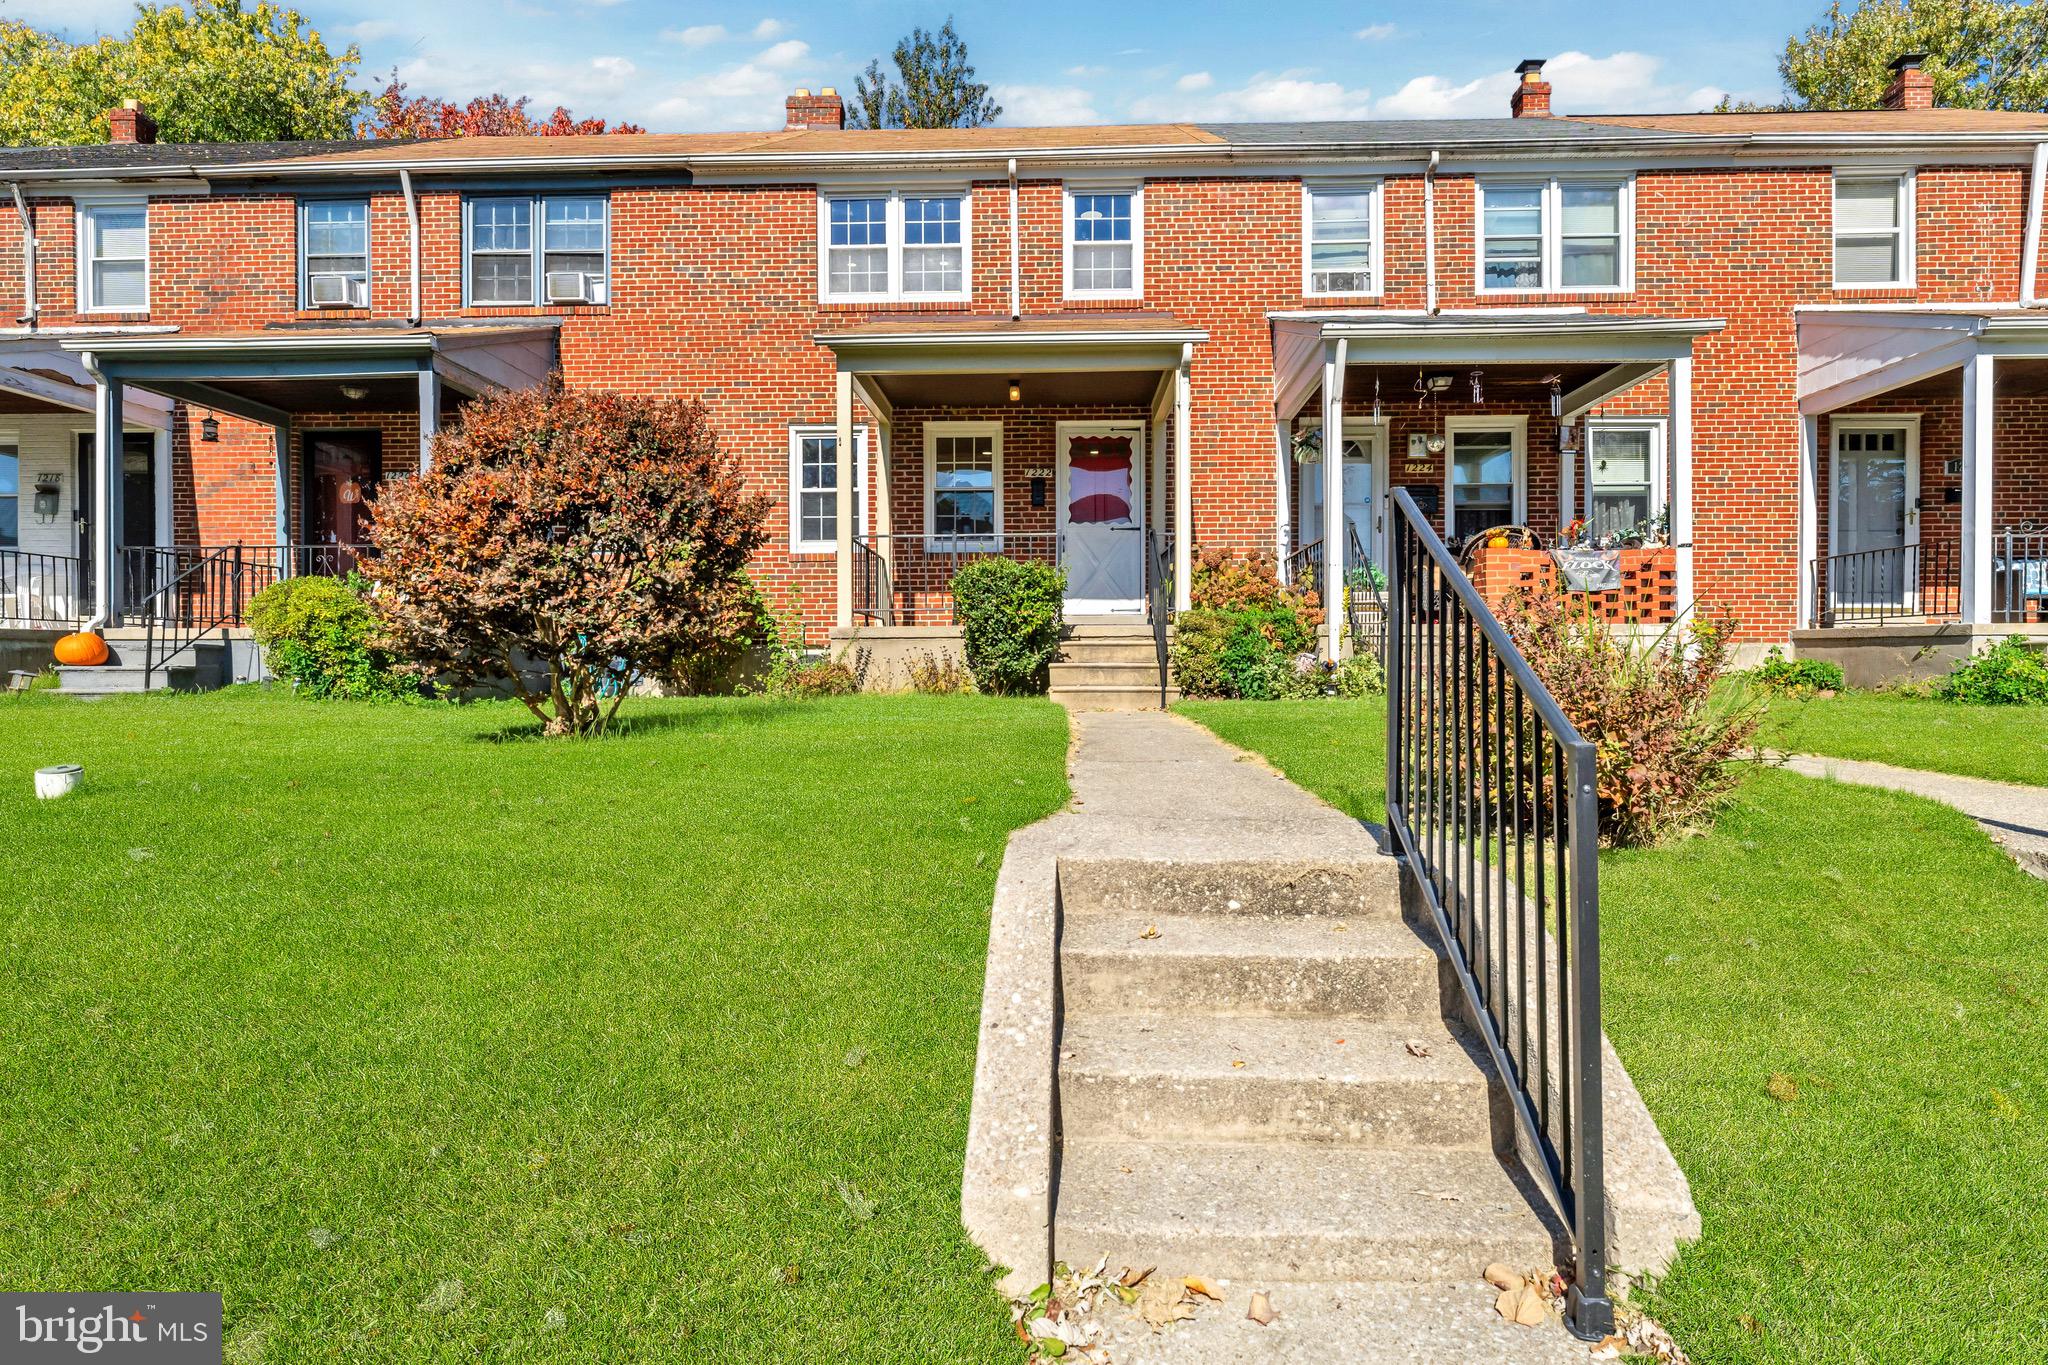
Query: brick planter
[[1649, 583]]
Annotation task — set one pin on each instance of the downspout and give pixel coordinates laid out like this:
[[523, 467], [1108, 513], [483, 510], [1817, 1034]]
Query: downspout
[[30, 308], [1429, 226], [1015, 313], [412, 227], [2031, 255]]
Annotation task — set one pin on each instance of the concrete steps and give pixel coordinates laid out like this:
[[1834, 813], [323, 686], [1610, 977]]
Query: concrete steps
[[1108, 667], [198, 669], [1258, 1081]]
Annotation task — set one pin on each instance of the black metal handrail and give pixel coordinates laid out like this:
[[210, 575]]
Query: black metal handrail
[[872, 596], [199, 592], [1159, 599], [42, 589], [1304, 568], [1491, 803], [2019, 575], [1365, 603], [1895, 583]]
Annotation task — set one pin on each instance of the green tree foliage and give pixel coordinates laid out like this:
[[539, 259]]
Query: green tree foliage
[[208, 71], [1981, 54], [934, 87]]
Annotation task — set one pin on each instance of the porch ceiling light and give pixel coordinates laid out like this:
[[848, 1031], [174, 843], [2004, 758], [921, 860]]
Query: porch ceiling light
[[355, 393], [209, 428], [1016, 390]]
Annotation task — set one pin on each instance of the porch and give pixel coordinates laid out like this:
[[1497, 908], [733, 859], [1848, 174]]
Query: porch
[[1488, 419], [1923, 484]]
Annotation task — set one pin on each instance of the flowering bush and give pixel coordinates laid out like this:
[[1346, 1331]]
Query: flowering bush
[[567, 542], [1664, 746], [1244, 632]]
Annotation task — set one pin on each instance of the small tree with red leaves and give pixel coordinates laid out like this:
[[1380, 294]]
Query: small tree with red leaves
[[593, 536], [395, 114]]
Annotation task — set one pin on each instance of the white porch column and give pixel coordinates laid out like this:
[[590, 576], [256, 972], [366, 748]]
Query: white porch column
[[281, 434], [106, 499], [843, 471], [1183, 487], [1283, 500], [430, 413], [1805, 611], [1332, 586], [1679, 382], [1978, 600], [881, 477], [1156, 452]]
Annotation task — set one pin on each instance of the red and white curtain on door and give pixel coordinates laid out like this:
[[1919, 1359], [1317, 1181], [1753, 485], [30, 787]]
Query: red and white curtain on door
[[1099, 486]]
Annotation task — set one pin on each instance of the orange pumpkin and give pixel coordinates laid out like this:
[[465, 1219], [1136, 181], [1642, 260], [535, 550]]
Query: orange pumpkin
[[82, 649], [1497, 543]]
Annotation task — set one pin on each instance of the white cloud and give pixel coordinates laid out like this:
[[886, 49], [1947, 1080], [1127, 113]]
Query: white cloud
[[784, 54], [1375, 33], [1435, 97], [1268, 96], [1195, 80], [769, 29], [368, 31], [1085, 72], [697, 35], [1045, 104], [1621, 83]]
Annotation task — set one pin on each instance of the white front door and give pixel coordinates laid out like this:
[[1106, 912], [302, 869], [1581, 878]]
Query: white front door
[[1102, 515], [1364, 496], [1876, 517]]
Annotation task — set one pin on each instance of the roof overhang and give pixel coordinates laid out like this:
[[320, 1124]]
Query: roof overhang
[[1851, 353], [43, 371], [1018, 348]]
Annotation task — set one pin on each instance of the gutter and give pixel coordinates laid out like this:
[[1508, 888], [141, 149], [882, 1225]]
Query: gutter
[[1014, 313], [412, 228], [2030, 256], [30, 308], [1429, 226]]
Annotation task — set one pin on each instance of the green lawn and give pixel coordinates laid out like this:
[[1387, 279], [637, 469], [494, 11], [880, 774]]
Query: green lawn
[[424, 1040], [2005, 743], [1876, 950]]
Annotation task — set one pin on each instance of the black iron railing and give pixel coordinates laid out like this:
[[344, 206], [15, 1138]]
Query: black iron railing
[[1491, 803], [1365, 601], [1159, 599], [197, 592], [1304, 568], [1897, 583], [2019, 576], [919, 568], [873, 597], [43, 590]]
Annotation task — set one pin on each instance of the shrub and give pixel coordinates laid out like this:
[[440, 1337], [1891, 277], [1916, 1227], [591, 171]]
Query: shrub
[[1223, 582], [938, 674], [1663, 747], [582, 535], [1798, 677], [1361, 675], [1009, 613], [743, 643], [321, 636], [1244, 632], [2010, 673]]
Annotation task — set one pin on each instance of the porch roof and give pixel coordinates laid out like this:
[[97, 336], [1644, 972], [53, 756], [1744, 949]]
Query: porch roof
[[37, 375], [1087, 357], [1852, 352]]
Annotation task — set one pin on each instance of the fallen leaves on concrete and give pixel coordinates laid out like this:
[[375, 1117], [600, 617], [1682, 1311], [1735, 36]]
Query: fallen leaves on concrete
[[1417, 1048], [1056, 1320], [1261, 1310]]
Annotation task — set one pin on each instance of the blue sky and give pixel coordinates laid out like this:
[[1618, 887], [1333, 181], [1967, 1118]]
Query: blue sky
[[684, 67]]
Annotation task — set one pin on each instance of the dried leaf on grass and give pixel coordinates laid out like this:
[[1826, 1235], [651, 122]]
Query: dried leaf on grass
[[1261, 1310], [1781, 1088], [859, 1205]]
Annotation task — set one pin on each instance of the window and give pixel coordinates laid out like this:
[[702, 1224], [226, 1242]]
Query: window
[[878, 248], [10, 496], [964, 473], [113, 257], [814, 488], [1105, 253], [1873, 231], [334, 253], [1621, 476], [1484, 473], [1555, 235], [531, 251], [1341, 239]]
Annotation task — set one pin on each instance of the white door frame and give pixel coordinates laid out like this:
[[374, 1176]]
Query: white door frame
[[1372, 438], [1909, 423], [1135, 429]]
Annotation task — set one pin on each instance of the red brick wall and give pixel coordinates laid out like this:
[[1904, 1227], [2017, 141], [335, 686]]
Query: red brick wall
[[714, 295]]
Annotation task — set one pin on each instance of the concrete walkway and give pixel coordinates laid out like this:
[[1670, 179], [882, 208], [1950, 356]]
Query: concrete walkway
[[2016, 817]]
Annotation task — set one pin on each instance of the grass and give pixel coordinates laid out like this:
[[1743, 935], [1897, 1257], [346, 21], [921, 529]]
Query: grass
[[2003, 743], [1875, 952], [426, 1040]]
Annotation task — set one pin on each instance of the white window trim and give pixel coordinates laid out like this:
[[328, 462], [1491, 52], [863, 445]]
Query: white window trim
[[932, 432], [305, 293], [538, 201], [895, 293], [82, 207], [1517, 428], [1658, 481], [1908, 240], [1552, 246], [797, 544], [1067, 193], [1309, 189]]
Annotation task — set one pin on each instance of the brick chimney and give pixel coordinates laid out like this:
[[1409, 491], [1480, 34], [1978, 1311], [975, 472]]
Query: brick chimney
[[822, 110], [1911, 88], [130, 123], [1532, 97]]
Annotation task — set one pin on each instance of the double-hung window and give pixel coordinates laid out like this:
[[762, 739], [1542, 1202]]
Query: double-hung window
[[113, 256], [1873, 231], [334, 253], [1556, 235], [814, 488], [964, 478], [1340, 239], [1623, 483], [1104, 244], [908, 246], [527, 251]]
